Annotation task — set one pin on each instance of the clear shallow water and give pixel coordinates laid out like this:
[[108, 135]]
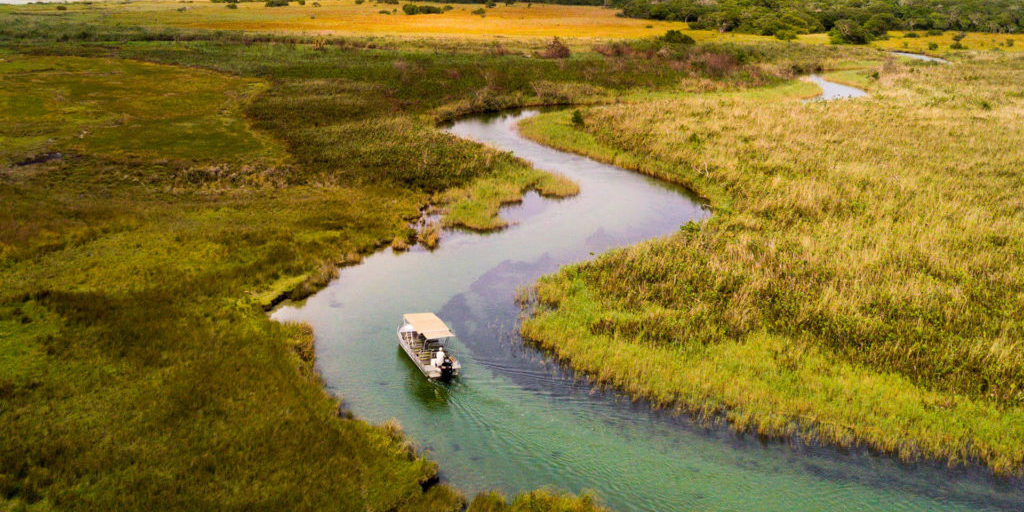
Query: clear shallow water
[[515, 421]]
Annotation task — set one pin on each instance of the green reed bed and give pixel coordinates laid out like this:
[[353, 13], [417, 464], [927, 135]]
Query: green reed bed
[[860, 282]]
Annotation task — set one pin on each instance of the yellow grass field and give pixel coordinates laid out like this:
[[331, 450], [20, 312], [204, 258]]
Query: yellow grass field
[[345, 17], [519, 22], [973, 41]]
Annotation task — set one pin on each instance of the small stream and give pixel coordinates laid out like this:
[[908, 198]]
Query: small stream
[[516, 421], [920, 56]]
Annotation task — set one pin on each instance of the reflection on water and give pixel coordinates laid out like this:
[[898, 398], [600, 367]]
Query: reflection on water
[[516, 421], [918, 56], [834, 91]]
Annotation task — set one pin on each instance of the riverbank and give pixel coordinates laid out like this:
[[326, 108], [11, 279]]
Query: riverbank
[[815, 302], [198, 179]]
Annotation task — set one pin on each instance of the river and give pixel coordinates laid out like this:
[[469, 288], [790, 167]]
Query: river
[[516, 421]]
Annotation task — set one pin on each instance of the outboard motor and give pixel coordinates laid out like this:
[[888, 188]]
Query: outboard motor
[[446, 368]]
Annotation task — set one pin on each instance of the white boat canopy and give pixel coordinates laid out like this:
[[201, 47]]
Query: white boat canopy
[[428, 324]]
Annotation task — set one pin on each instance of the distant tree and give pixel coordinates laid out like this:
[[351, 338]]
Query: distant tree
[[880, 23], [847, 31]]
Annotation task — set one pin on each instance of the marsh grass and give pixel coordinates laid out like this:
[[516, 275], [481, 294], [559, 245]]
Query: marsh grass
[[859, 282], [201, 181]]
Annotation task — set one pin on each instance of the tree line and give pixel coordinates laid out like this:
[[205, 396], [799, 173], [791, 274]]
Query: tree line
[[853, 21]]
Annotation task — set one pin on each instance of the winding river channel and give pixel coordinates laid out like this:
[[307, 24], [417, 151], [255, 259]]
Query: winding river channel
[[516, 421]]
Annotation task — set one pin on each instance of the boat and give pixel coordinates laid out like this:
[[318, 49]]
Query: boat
[[425, 337]]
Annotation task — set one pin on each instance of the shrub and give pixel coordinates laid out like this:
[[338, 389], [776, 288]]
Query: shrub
[[276, 3], [911, 34], [556, 49], [957, 46], [933, 32], [959, 36], [577, 118], [481, 11], [614, 49], [301, 2], [677, 37], [785, 35], [62, 7], [360, 2], [421, 9], [383, 11], [448, 7], [717, 64], [1009, 42], [490, 4], [933, 46], [232, 6]]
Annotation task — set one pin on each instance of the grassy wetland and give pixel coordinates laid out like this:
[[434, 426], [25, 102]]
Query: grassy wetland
[[168, 171], [859, 282], [161, 189]]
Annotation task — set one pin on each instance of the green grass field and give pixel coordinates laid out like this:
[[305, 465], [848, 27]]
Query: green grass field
[[165, 179], [160, 194], [859, 282]]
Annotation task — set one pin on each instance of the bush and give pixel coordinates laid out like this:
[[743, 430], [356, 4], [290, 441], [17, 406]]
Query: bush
[[677, 37], [276, 3], [490, 4], [1009, 42], [360, 2], [616, 49], [421, 9], [957, 46], [232, 6], [62, 7], [481, 11], [577, 118], [383, 11], [959, 36], [911, 34], [933, 46], [933, 32], [556, 49], [785, 35], [301, 2]]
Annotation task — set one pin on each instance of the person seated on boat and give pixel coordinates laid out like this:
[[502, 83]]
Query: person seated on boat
[[439, 359]]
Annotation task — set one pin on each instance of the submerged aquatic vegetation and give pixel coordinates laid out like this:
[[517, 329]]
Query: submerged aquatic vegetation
[[859, 283]]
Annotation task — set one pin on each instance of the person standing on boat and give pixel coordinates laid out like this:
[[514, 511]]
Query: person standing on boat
[[439, 360]]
